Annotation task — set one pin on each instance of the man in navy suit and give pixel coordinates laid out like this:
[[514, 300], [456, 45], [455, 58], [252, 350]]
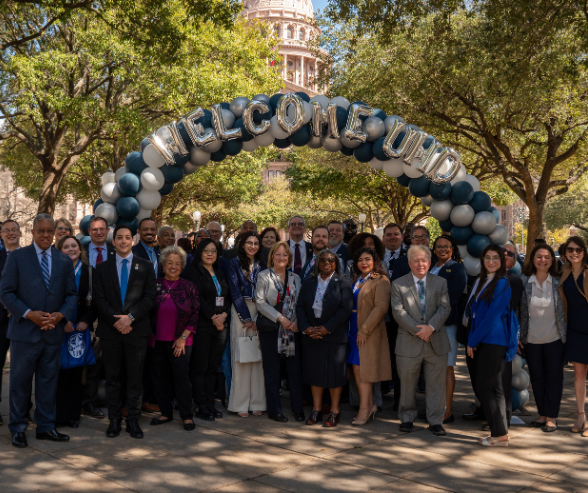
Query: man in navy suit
[[319, 241], [301, 249], [336, 234], [38, 288]]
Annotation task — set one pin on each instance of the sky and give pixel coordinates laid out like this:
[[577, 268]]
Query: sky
[[319, 4]]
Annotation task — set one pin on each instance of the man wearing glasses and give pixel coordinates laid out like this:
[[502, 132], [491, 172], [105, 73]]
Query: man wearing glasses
[[98, 250], [216, 233], [420, 236], [301, 249]]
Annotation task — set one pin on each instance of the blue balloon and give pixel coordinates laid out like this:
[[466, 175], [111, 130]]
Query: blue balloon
[[129, 184], [206, 119], [232, 147], [381, 114], [461, 193], [128, 207], [305, 97], [342, 115], [364, 153], [346, 151], [440, 191], [172, 174], [184, 133], [403, 180], [257, 116], [516, 399], [274, 100], [378, 150], [476, 245], [516, 269], [132, 224], [85, 240], [245, 135], [134, 163], [226, 106], [359, 102], [447, 226], [302, 137], [166, 189], [496, 213], [218, 156], [144, 143], [460, 234], [181, 160], [85, 224], [419, 187], [97, 203], [282, 143], [481, 202]]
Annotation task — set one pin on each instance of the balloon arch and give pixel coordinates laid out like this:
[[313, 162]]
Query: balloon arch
[[430, 170]]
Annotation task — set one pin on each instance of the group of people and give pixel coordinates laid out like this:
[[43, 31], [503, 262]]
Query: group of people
[[346, 310]]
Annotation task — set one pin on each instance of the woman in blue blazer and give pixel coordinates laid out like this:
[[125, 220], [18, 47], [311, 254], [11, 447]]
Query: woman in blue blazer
[[447, 263]]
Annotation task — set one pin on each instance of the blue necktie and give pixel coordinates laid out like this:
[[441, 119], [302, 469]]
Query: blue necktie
[[422, 296], [124, 279], [45, 267]]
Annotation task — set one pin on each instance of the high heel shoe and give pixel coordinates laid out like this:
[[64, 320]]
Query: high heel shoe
[[583, 427], [372, 415]]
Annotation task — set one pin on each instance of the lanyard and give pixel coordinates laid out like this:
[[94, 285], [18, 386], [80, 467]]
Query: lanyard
[[359, 282]]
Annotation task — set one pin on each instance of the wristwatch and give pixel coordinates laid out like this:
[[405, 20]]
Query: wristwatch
[[184, 337], [131, 317]]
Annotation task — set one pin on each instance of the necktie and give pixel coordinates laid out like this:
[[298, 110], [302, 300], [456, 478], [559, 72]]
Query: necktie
[[297, 259], [45, 268], [422, 296], [124, 279], [99, 258]]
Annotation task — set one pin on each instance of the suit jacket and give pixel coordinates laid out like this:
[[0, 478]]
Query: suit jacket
[[23, 288], [139, 251], [343, 254], [406, 308], [392, 261], [109, 248], [139, 299], [455, 275], [85, 313], [337, 308], [207, 292], [3, 310], [400, 268], [266, 294], [309, 253]]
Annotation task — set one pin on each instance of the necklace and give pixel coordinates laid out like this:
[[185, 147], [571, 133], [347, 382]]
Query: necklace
[[169, 288]]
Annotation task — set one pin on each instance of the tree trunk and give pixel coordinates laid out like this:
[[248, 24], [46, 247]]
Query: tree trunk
[[535, 229], [53, 174]]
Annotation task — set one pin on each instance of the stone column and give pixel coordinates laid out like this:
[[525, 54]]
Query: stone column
[[285, 66], [302, 71]]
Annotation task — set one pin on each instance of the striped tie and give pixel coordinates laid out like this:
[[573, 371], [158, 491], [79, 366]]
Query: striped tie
[[45, 267], [422, 296]]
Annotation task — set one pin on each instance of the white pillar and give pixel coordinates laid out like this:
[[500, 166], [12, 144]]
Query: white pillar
[[302, 71], [285, 66]]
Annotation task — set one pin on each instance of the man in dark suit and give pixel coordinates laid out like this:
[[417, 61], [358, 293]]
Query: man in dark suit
[[420, 236], [301, 249], [98, 250], [336, 233], [38, 289], [319, 241], [124, 293]]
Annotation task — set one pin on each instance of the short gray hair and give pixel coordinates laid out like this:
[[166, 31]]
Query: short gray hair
[[414, 249], [162, 229], [43, 217], [299, 217], [173, 250]]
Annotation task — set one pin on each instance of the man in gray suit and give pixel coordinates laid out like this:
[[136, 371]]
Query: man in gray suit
[[38, 288], [420, 305]]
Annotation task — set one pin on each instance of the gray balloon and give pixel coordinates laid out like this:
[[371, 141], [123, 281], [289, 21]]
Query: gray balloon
[[108, 212], [520, 381], [341, 101], [427, 201], [517, 364], [228, 118], [524, 397], [472, 265], [484, 223], [250, 145], [462, 215], [190, 168], [441, 209], [463, 251], [264, 140], [499, 236], [199, 157], [261, 97], [374, 127], [315, 142], [276, 129], [389, 121], [237, 106], [322, 100], [332, 145], [351, 144], [215, 145]]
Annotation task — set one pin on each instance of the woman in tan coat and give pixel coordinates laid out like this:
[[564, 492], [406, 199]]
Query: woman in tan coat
[[368, 343]]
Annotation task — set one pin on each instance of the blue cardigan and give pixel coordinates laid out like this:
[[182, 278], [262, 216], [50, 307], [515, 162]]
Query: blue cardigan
[[241, 287], [489, 319]]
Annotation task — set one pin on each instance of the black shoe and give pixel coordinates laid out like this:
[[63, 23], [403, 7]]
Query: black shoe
[[134, 429], [19, 440], [472, 417], [537, 424], [216, 413], [280, 418], [93, 412], [549, 429], [300, 416], [53, 435], [114, 428], [406, 427], [73, 423], [157, 421], [437, 430], [189, 426], [451, 419], [204, 414]]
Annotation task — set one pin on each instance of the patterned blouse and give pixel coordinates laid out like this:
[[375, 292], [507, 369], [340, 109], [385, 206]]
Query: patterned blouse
[[185, 296]]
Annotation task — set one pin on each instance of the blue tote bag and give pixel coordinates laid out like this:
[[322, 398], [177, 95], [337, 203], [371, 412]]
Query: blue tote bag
[[76, 350]]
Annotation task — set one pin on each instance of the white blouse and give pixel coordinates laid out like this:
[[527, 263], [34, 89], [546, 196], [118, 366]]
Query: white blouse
[[321, 289], [542, 323]]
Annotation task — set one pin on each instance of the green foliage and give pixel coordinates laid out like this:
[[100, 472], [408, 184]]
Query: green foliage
[[568, 210], [434, 229]]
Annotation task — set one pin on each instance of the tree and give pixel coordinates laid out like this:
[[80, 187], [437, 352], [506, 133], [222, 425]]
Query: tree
[[568, 210]]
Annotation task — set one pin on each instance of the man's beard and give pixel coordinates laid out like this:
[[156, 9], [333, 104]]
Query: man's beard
[[333, 243]]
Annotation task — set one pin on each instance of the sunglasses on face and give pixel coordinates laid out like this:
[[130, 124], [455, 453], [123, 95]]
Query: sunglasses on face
[[574, 250], [327, 260], [508, 253]]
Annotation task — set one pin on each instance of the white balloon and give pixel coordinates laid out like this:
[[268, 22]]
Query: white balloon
[[143, 213], [276, 129], [110, 235], [427, 201], [377, 164], [149, 200], [152, 179], [323, 100], [119, 173], [152, 157], [341, 101], [374, 127], [524, 397], [394, 168], [473, 181], [461, 175], [108, 212], [190, 168], [472, 265], [108, 177], [462, 215], [520, 381], [264, 140], [517, 364], [463, 251], [250, 145], [411, 171], [484, 223], [110, 193], [164, 133], [499, 236], [332, 145], [441, 209], [228, 118], [199, 157]]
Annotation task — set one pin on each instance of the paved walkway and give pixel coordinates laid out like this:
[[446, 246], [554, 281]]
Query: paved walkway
[[236, 455]]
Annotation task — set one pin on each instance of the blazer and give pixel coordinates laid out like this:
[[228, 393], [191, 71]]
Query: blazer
[[207, 292], [139, 299], [3, 311], [139, 251], [488, 320], [85, 313], [242, 287], [516, 293], [343, 253], [455, 275], [406, 309], [560, 315], [304, 275], [23, 288], [309, 253], [337, 308], [566, 271], [392, 261], [185, 296], [266, 294], [401, 268]]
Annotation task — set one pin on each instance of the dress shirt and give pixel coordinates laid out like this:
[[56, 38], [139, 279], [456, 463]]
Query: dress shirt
[[40, 256], [335, 248], [542, 323], [321, 289], [119, 260], [93, 253], [416, 281], [152, 256], [302, 245]]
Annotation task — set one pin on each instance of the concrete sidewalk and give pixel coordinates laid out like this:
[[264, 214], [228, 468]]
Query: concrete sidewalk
[[260, 456]]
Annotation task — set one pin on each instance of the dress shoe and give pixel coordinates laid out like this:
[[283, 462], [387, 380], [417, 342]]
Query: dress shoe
[[371, 415], [280, 418], [189, 426], [157, 421], [216, 413], [332, 420], [437, 430], [537, 424], [19, 440], [113, 428], [472, 417], [315, 416], [549, 429], [406, 427], [53, 435], [204, 414], [150, 408], [450, 419], [299, 416], [73, 423], [134, 429], [93, 412]]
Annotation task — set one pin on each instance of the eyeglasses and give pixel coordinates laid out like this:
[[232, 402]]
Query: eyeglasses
[[574, 250], [296, 224], [508, 253], [422, 237], [63, 228], [250, 243], [209, 252], [492, 259], [327, 260], [443, 247]]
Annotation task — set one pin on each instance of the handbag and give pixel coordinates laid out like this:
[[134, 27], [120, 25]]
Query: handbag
[[248, 350], [76, 350]]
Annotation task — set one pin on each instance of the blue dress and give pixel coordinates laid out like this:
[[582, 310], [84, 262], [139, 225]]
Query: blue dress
[[352, 349], [577, 334]]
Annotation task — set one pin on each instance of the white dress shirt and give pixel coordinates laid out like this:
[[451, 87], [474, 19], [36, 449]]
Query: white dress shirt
[[542, 323], [321, 289], [119, 260], [302, 245]]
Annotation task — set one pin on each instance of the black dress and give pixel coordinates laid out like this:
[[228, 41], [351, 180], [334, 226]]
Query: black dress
[[577, 335]]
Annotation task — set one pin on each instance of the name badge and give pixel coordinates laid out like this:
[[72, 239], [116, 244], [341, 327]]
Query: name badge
[[220, 301]]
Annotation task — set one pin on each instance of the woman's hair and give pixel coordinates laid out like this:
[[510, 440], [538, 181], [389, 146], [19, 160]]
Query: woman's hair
[[455, 255], [580, 242], [378, 269], [268, 230], [200, 248], [241, 255], [530, 268], [272, 253], [325, 251], [185, 244], [83, 253], [173, 250], [488, 293], [66, 222], [358, 240]]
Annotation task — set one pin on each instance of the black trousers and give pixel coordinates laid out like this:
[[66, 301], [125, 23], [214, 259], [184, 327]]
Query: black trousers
[[70, 392], [546, 369], [92, 376], [207, 355], [4, 346], [489, 388], [392, 332], [124, 359], [271, 372], [171, 378]]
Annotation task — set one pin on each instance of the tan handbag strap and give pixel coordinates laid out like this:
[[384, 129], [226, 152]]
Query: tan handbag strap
[[576, 283]]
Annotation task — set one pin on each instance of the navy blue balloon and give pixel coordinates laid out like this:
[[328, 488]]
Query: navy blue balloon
[[85, 240], [166, 189], [359, 102], [128, 207], [172, 174], [184, 133], [245, 135], [403, 180], [481, 202], [496, 213], [132, 224], [232, 147], [378, 150], [129, 184], [97, 203], [85, 224], [274, 100], [301, 137], [476, 245], [226, 106], [398, 139], [218, 156], [419, 187], [346, 151], [381, 114], [461, 193], [516, 399], [440, 191], [206, 119], [364, 153], [181, 160], [134, 163], [144, 143], [461, 234], [257, 116], [342, 115], [282, 143], [305, 97], [446, 226]]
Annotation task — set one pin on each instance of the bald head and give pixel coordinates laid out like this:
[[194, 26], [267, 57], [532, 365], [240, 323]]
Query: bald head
[[215, 231]]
